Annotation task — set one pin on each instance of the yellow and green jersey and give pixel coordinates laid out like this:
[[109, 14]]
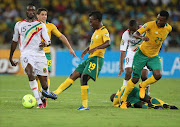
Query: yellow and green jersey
[[51, 28], [99, 37], [156, 37]]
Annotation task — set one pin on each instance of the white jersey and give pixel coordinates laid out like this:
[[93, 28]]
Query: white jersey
[[128, 42], [30, 35]]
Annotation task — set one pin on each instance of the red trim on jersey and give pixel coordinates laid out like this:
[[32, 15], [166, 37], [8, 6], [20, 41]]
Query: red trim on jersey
[[134, 50], [32, 37], [19, 39], [122, 51], [129, 31], [34, 88], [42, 37]]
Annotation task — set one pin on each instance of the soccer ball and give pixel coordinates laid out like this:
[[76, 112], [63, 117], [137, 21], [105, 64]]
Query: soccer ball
[[28, 101]]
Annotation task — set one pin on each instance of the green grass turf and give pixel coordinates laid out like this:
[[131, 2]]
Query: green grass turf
[[62, 112]]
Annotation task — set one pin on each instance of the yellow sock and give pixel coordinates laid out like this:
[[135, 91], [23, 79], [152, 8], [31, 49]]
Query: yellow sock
[[39, 84], [157, 101], [150, 80], [84, 95], [48, 82], [129, 88], [66, 84]]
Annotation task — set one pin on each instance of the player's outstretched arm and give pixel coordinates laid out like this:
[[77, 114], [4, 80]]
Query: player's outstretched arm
[[104, 45], [84, 52], [121, 61], [66, 42], [138, 36], [13, 48]]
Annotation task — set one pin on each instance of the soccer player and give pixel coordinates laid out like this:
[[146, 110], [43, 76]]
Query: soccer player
[[51, 28], [147, 54], [130, 44], [134, 100], [28, 33], [91, 67]]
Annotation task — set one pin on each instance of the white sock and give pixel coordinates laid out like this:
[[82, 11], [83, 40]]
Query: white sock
[[125, 82], [34, 87], [148, 89]]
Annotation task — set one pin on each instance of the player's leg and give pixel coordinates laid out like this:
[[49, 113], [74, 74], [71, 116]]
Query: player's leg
[[91, 70], [67, 83], [144, 76], [138, 64], [33, 83], [84, 91], [155, 65], [128, 67]]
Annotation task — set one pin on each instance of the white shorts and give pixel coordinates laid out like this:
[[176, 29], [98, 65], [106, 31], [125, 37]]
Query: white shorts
[[129, 60], [39, 64]]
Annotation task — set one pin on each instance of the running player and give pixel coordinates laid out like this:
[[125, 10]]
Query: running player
[[91, 67], [28, 33], [51, 28], [130, 44], [147, 54]]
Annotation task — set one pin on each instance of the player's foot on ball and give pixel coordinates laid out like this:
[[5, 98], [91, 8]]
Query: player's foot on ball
[[123, 105], [82, 108], [142, 91], [44, 102], [49, 95], [40, 106]]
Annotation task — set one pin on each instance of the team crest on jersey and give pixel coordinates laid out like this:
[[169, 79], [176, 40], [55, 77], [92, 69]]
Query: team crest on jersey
[[106, 34], [44, 70], [97, 36], [145, 25]]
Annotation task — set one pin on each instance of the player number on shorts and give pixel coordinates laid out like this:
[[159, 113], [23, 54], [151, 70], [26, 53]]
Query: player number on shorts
[[92, 66]]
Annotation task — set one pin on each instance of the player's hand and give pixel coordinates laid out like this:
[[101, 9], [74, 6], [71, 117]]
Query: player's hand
[[92, 50], [82, 55], [12, 62], [121, 71], [42, 44], [145, 38], [71, 51]]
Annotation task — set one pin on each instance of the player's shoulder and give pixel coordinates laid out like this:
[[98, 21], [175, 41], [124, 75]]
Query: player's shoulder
[[150, 23], [167, 26], [103, 29], [127, 32]]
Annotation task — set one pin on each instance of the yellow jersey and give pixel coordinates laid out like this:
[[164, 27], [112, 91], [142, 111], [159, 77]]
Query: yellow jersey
[[99, 37], [51, 28], [156, 37]]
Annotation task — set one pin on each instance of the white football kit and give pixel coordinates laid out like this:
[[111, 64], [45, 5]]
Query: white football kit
[[129, 44], [30, 35]]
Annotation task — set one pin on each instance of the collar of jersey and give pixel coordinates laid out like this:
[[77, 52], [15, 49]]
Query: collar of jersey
[[101, 27]]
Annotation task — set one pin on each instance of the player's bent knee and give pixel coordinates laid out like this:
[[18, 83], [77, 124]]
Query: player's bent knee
[[84, 79]]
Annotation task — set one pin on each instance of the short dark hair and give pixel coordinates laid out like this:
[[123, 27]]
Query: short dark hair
[[112, 97], [164, 13], [41, 9], [96, 15], [132, 23], [31, 4]]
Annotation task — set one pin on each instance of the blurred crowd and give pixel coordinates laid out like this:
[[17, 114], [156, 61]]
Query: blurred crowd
[[71, 18]]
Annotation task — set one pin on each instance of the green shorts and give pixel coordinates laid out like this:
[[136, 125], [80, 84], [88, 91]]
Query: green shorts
[[140, 60], [134, 97], [48, 56], [91, 66]]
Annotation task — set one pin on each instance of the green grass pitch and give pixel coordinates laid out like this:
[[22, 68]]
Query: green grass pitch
[[62, 112]]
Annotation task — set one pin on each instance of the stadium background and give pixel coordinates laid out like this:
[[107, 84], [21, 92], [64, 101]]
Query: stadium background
[[71, 18]]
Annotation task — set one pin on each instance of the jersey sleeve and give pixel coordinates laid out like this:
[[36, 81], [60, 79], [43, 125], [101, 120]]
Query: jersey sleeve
[[124, 41], [16, 33], [105, 35], [45, 35], [55, 31], [144, 28]]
